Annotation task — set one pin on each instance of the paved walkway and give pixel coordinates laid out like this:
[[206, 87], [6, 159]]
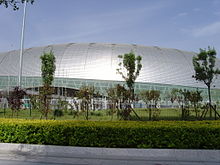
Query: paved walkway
[[26, 154]]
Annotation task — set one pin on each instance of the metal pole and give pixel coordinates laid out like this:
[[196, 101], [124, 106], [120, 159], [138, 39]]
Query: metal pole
[[22, 46]]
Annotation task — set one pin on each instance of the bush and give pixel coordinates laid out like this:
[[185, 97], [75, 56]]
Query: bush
[[157, 134], [58, 113]]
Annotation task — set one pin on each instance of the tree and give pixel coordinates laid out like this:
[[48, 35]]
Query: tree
[[15, 99], [132, 65], [112, 100], [176, 95], [118, 96], [151, 98], [205, 70], [182, 97], [195, 97], [14, 3], [47, 68], [173, 95], [184, 100], [129, 69], [86, 94]]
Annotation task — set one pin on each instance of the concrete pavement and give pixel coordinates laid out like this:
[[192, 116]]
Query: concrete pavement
[[26, 154]]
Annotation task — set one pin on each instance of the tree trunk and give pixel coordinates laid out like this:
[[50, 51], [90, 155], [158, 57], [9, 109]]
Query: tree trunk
[[131, 90], [150, 111], [210, 100], [87, 111], [30, 111], [195, 108], [183, 112], [45, 107]]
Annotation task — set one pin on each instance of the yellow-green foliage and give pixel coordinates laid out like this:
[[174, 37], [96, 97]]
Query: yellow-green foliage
[[158, 134]]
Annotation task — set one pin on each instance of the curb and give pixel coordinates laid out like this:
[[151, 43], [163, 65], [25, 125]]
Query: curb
[[111, 153]]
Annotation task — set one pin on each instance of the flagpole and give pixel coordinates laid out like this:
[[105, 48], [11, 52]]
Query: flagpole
[[22, 46]]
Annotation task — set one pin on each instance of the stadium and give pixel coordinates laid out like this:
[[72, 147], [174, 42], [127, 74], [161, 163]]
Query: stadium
[[95, 64]]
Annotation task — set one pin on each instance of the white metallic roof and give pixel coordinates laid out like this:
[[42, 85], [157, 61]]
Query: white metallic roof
[[100, 61]]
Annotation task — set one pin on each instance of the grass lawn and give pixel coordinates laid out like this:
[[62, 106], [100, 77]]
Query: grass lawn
[[102, 115]]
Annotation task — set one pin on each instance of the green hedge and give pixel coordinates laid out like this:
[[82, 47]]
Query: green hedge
[[158, 134]]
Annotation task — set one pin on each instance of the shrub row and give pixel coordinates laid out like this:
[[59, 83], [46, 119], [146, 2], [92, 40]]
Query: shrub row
[[129, 134]]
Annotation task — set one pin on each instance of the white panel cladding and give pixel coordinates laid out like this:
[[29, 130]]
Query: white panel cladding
[[100, 61]]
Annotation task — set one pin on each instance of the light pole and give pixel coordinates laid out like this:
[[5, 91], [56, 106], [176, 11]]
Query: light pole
[[22, 46]]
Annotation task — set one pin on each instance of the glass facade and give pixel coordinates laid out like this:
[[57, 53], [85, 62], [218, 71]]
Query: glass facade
[[7, 83]]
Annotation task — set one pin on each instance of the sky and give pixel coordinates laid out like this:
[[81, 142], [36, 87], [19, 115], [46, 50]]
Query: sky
[[181, 24]]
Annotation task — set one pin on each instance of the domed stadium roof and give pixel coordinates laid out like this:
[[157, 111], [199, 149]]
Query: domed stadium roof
[[99, 61]]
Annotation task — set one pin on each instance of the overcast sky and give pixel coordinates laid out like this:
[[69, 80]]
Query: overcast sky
[[181, 24]]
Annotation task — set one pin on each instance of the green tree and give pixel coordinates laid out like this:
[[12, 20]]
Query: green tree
[[48, 68], [195, 97], [173, 95], [151, 98], [184, 100], [205, 70], [15, 99], [86, 94], [182, 97], [118, 96], [112, 100], [129, 69], [14, 3]]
